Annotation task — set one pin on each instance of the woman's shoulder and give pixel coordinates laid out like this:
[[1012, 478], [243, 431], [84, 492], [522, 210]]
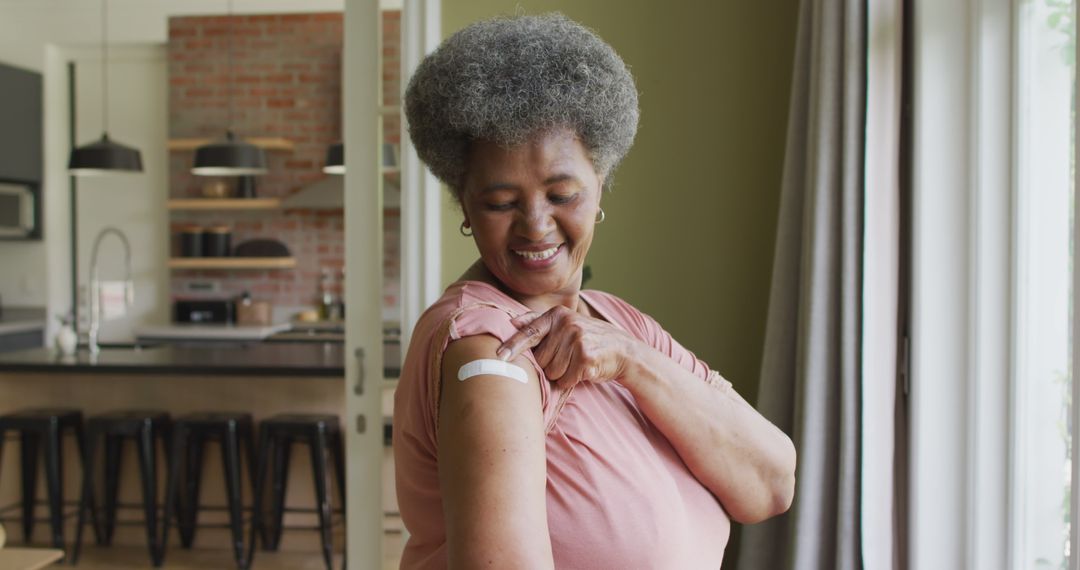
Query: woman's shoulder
[[609, 303], [621, 313], [472, 307]]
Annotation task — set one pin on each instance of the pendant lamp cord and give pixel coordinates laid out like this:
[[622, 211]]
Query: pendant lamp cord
[[104, 65], [232, 78]]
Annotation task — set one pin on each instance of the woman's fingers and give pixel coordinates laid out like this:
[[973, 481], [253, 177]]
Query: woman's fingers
[[567, 346], [575, 372], [524, 319], [527, 337], [561, 359]]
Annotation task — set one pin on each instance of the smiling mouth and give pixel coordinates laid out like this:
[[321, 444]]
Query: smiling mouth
[[538, 255]]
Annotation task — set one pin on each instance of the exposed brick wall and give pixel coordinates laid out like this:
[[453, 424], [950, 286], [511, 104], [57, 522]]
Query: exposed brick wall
[[286, 83], [391, 77], [391, 74]]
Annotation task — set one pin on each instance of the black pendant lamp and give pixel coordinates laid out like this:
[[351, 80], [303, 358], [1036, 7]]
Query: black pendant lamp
[[230, 156], [335, 159], [104, 156]]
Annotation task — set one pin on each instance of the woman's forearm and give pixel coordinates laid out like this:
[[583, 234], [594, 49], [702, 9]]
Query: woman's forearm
[[743, 459]]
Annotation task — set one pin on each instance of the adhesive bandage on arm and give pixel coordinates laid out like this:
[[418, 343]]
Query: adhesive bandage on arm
[[491, 367]]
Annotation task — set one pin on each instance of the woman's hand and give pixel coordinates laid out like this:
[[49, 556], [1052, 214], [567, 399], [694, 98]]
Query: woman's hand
[[571, 347]]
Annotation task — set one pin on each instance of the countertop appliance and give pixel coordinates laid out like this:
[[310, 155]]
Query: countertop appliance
[[215, 311], [19, 215]]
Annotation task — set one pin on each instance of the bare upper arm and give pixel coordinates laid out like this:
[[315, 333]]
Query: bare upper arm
[[492, 464]]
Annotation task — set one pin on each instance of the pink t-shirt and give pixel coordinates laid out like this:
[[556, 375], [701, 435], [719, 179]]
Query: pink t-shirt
[[618, 494]]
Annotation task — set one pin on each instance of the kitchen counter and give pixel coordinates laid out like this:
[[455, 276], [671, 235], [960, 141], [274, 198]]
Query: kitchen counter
[[21, 319], [184, 331], [255, 359]]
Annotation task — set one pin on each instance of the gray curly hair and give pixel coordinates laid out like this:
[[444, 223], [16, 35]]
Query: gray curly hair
[[505, 79]]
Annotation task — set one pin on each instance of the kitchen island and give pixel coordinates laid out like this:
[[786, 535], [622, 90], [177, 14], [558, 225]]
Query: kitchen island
[[315, 360], [262, 379]]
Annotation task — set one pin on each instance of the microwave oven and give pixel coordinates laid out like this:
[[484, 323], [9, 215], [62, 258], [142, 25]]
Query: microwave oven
[[20, 216]]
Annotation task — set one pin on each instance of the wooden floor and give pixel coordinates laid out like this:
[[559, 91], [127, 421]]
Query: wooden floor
[[132, 558], [299, 551], [137, 558]]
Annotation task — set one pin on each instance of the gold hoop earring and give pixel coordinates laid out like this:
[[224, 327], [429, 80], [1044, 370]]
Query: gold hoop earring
[[462, 230], [601, 216]]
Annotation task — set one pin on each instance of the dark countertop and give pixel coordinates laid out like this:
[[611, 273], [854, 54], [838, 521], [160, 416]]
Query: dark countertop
[[255, 359]]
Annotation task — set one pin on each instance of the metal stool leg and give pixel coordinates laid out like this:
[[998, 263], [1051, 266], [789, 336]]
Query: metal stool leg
[[338, 443], [114, 446], [86, 458], [247, 440], [189, 512], [177, 452], [54, 476], [147, 465], [338, 454], [318, 464], [282, 454], [87, 449], [230, 458], [29, 456], [258, 525]]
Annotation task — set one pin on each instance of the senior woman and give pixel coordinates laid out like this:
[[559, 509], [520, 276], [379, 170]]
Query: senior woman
[[612, 446]]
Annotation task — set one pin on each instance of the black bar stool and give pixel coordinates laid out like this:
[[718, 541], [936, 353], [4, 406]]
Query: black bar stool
[[144, 427], [36, 426], [276, 435], [190, 433]]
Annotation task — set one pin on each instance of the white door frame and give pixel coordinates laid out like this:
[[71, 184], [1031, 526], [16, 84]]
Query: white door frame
[[421, 237], [420, 254], [363, 286]]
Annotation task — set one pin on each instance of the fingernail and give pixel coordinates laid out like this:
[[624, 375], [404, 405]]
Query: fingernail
[[502, 353]]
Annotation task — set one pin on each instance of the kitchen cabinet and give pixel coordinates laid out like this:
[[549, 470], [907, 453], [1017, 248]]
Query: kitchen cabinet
[[21, 116]]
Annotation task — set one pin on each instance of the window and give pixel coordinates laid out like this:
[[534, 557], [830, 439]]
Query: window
[[1045, 127]]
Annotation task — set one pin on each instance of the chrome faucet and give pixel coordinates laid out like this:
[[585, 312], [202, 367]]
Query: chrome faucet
[[95, 285]]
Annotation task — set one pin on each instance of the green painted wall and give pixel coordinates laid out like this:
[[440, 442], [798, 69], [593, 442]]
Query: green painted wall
[[691, 220]]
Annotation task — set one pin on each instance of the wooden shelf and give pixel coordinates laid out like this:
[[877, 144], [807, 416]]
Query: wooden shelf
[[267, 143], [232, 263], [224, 204]]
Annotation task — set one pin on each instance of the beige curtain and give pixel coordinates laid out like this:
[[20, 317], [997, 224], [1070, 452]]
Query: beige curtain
[[811, 369]]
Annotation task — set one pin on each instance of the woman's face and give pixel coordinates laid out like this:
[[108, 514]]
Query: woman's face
[[532, 208]]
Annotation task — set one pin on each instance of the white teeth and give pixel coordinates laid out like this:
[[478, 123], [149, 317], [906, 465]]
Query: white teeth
[[537, 255]]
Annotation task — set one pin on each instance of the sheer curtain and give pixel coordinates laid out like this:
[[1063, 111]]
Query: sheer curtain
[[812, 363]]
